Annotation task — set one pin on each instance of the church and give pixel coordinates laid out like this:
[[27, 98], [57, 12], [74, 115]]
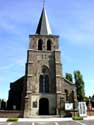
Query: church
[[42, 90]]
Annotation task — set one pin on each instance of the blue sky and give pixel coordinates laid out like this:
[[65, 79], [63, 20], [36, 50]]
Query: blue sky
[[72, 20]]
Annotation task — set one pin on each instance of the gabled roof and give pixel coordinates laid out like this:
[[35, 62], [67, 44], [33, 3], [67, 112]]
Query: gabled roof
[[43, 27], [69, 82]]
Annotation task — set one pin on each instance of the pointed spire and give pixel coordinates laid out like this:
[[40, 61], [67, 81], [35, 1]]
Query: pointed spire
[[43, 26]]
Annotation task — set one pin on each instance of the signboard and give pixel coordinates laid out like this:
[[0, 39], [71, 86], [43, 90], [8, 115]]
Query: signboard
[[35, 104], [68, 106], [82, 109]]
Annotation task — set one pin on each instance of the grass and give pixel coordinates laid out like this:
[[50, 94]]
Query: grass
[[12, 119], [77, 118]]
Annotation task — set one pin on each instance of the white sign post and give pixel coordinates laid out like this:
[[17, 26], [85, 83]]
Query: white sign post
[[82, 109]]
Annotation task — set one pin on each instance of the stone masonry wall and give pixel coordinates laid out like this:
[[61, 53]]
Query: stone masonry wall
[[11, 114]]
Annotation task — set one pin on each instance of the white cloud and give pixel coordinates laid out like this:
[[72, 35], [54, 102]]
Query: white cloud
[[21, 62], [10, 66], [76, 22], [6, 25], [82, 34], [6, 67]]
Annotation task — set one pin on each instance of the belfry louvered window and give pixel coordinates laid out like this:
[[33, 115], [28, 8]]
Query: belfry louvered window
[[40, 44], [49, 45]]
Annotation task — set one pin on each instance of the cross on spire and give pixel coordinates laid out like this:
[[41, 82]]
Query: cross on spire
[[43, 3]]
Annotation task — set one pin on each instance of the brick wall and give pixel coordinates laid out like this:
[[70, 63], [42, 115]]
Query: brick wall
[[10, 114], [89, 113]]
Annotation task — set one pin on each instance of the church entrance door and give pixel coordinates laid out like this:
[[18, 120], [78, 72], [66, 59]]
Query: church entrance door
[[43, 106]]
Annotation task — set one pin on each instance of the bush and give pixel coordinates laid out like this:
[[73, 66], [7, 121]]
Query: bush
[[12, 119], [77, 118]]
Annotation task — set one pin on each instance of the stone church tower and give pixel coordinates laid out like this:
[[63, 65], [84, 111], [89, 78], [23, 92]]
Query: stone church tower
[[44, 83], [43, 87]]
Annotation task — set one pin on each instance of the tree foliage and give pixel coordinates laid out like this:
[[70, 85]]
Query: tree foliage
[[92, 100], [68, 76], [79, 85], [3, 104]]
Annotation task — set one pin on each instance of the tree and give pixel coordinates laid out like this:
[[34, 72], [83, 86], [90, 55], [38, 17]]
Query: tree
[[86, 99], [92, 100], [3, 104], [79, 85], [68, 76], [0, 104]]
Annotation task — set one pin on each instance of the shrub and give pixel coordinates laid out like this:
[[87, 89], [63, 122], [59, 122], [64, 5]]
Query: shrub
[[12, 119], [77, 118]]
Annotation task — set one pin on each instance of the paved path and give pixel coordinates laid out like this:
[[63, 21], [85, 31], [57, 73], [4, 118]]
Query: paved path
[[89, 122], [66, 123]]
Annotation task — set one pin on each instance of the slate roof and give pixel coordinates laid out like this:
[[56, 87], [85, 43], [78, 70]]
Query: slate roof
[[43, 27]]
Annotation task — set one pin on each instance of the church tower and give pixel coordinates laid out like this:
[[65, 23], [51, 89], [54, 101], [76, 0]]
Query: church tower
[[43, 71], [44, 84]]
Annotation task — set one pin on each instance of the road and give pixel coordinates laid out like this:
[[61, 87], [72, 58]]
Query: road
[[51, 123]]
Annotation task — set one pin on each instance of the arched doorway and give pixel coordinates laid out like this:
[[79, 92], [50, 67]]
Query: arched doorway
[[43, 106]]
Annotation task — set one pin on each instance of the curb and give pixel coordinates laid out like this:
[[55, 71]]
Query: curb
[[46, 119], [88, 118], [3, 119]]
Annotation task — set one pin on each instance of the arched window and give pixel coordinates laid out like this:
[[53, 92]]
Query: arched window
[[44, 81], [41, 83], [49, 45], [72, 95], [40, 43], [66, 93]]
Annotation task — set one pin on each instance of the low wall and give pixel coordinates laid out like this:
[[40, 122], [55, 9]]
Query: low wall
[[19, 114], [90, 113], [11, 114], [76, 113]]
